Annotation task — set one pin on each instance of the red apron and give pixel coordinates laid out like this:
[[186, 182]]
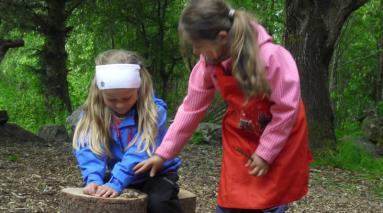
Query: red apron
[[242, 125]]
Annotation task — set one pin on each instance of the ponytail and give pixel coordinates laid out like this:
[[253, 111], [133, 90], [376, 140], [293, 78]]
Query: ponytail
[[247, 65]]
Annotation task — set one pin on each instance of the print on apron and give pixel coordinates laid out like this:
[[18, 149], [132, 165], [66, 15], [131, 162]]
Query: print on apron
[[246, 123]]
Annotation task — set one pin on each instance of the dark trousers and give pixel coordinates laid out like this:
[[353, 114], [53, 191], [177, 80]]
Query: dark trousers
[[162, 193]]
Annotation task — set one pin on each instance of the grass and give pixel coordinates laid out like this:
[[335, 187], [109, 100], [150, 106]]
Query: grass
[[197, 138], [352, 157]]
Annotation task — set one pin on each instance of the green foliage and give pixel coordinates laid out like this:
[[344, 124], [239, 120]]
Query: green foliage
[[99, 25], [380, 108], [81, 60], [350, 156], [269, 13], [12, 157], [355, 65], [349, 129], [20, 88], [197, 138]]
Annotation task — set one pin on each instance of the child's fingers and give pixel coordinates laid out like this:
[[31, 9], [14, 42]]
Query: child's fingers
[[254, 171], [153, 171], [90, 189], [250, 163], [141, 167], [153, 163], [85, 191], [263, 172], [108, 193], [105, 192], [258, 171], [101, 191], [114, 194], [138, 166]]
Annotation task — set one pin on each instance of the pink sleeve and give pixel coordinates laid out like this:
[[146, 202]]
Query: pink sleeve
[[200, 95], [283, 76]]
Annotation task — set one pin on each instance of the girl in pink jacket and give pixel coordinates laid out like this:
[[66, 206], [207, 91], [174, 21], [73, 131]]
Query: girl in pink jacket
[[265, 162]]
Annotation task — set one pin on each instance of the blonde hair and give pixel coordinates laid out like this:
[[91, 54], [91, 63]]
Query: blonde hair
[[94, 126], [204, 19]]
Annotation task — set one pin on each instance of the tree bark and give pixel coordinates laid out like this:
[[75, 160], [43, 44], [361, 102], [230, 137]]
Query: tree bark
[[73, 200], [379, 91], [312, 29], [54, 56], [3, 117], [5, 45]]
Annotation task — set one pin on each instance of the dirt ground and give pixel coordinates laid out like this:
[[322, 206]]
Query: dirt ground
[[32, 174]]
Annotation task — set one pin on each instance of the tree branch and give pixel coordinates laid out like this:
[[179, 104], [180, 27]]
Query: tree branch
[[6, 44], [345, 9]]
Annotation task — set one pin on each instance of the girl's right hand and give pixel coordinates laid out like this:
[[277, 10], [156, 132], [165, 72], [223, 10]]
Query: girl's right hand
[[154, 163], [90, 189], [257, 166]]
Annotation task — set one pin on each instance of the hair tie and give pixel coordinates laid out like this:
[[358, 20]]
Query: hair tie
[[231, 13]]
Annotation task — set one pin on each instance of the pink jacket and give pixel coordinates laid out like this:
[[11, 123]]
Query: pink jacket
[[282, 74]]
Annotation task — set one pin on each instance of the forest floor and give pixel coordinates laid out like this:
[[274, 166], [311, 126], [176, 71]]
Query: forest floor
[[32, 175]]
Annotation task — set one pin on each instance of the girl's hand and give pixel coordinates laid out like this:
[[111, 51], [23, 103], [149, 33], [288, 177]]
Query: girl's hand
[[90, 189], [257, 166], [154, 163], [106, 191]]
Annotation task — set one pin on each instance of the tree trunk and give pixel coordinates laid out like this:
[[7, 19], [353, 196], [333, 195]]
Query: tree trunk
[[54, 57], [6, 44], [379, 91], [312, 29], [3, 117]]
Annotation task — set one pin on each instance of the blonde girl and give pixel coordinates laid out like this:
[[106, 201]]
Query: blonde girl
[[122, 123]]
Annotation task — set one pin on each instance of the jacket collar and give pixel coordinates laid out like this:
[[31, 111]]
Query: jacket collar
[[129, 120]]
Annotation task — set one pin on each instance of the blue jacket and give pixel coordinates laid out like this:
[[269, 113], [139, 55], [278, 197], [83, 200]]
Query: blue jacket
[[93, 167]]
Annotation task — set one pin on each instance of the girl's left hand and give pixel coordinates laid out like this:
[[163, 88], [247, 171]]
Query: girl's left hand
[[105, 191], [257, 166]]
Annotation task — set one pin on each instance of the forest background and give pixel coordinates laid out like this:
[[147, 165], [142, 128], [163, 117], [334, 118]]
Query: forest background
[[48, 49]]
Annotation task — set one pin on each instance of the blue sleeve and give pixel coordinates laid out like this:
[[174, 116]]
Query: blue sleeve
[[92, 166], [122, 172]]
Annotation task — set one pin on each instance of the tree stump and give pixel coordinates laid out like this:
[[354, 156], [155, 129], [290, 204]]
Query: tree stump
[[187, 200], [73, 200], [132, 201]]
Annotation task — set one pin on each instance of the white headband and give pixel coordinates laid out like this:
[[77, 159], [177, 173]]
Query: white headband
[[118, 76], [231, 13]]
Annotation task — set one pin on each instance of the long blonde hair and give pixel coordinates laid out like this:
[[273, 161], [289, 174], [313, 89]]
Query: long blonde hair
[[94, 126], [204, 19]]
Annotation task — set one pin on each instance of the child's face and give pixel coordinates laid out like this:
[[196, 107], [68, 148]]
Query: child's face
[[120, 101], [214, 51]]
